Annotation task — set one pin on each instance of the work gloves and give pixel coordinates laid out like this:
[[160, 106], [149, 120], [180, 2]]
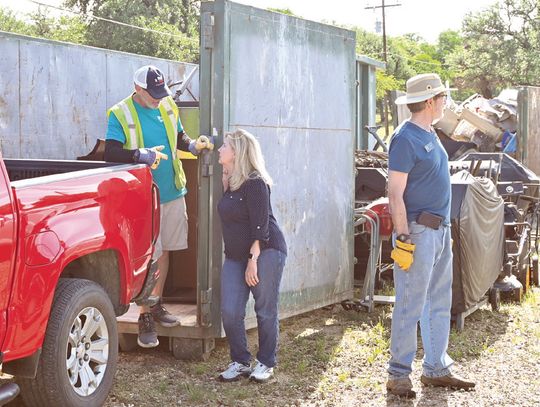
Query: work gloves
[[203, 142], [403, 254], [150, 156]]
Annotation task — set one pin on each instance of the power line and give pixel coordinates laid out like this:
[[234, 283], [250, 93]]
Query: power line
[[105, 19], [419, 61]]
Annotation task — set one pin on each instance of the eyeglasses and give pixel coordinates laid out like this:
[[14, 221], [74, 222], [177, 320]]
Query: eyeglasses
[[441, 95]]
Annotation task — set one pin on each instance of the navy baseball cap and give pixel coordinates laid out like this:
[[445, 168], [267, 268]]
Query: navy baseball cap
[[150, 78]]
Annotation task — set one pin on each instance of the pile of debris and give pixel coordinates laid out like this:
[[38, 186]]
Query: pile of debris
[[485, 125], [371, 159]]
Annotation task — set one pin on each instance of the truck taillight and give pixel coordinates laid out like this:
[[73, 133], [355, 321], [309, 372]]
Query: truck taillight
[[155, 213]]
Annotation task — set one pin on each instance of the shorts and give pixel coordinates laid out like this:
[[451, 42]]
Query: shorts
[[173, 233]]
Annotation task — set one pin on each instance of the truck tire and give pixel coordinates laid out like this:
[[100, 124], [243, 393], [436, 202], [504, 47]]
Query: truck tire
[[80, 349]]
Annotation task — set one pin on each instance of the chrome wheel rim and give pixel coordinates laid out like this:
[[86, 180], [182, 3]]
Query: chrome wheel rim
[[87, 351]]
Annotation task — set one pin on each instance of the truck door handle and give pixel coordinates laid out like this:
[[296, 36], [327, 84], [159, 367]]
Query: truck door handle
[[2, 221]]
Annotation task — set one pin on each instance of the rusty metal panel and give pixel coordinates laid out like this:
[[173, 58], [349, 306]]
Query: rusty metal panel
[[529, 126], [291, 82], [54, 96]]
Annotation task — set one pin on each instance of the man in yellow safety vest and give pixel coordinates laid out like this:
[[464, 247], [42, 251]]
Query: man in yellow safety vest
[[145, 128]]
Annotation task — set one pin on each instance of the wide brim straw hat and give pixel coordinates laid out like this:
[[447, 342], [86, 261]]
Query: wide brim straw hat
[[422, 87]]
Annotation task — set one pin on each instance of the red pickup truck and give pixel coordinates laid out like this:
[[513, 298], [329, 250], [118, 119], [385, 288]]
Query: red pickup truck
[[76, 242]]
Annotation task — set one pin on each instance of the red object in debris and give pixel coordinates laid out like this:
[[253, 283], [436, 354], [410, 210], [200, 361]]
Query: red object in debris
[[382, 209]]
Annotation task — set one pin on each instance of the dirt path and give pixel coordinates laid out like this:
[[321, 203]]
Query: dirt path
[[338, 358]]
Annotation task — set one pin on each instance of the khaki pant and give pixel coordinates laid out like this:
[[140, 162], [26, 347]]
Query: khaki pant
[[173, 232]]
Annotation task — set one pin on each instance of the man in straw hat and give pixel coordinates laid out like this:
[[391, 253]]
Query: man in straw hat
[[419, 195]]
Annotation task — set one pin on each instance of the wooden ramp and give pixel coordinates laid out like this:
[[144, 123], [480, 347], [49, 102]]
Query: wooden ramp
[[186, 313]]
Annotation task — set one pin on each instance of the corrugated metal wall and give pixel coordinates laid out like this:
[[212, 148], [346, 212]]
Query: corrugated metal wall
[[54, 96], [291, 82]]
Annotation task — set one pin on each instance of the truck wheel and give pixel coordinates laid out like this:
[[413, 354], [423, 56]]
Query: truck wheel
[[80, 349]]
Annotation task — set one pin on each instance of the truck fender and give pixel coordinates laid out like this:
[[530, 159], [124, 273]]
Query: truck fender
[[42, 248]]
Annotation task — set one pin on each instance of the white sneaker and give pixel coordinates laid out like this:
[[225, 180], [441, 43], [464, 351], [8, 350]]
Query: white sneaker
[[261, 373], [234, 372]]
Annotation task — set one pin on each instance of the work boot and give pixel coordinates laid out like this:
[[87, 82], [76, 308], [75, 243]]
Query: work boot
[[164, 317], [401, 387], [451, 380], [147, 337]]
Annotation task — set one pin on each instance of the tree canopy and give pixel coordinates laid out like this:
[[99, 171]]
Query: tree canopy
[[501, 47]]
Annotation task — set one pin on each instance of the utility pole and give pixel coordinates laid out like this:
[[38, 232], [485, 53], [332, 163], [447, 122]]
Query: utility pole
[[383, 6]]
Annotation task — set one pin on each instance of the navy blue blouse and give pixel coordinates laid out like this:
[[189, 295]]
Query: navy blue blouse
[[246, 215]]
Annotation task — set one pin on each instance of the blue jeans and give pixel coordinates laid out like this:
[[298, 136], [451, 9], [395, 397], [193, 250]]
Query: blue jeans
[[234, 297], [424, 294]]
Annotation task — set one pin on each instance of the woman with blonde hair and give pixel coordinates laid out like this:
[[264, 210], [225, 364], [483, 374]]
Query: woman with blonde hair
[[255, 252]]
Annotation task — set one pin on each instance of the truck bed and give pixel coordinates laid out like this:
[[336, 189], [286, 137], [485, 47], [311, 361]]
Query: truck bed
[[22, 169]]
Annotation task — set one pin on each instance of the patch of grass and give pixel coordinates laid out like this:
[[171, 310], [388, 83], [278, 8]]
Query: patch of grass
[[343, 376], [462, 345], [378, 342], [236, 392], [198, 393], [200, 368], [302, 366]]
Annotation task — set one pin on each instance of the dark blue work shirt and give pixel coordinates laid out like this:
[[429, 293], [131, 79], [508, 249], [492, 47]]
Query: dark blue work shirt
[[246, 215], [420, 154]]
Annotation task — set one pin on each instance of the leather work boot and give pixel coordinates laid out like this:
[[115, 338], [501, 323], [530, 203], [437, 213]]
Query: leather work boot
[[451, 380], [401, 387]]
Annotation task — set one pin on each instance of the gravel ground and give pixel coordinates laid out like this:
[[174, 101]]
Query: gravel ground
[[338, 358]]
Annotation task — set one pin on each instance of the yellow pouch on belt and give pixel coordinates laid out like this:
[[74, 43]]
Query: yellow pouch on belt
[[403, 254]]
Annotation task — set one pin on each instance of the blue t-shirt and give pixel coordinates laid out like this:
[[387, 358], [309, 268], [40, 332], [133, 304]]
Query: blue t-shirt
[[154, 134], [421, 155]]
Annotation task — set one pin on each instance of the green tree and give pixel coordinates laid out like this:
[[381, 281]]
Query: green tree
[[39, 24], [170, 29], [10, 23], [68, 29], [501, 47]]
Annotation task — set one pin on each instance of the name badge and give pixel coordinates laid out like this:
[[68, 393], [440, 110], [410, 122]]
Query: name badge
[[429, 146]]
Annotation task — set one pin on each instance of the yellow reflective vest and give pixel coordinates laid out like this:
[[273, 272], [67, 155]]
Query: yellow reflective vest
[[126, 114]]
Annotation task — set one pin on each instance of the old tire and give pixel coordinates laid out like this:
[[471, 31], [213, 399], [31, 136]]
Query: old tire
[[80, 349]]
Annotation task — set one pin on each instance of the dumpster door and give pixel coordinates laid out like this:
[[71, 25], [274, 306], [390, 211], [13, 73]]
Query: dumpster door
[[291, 83]]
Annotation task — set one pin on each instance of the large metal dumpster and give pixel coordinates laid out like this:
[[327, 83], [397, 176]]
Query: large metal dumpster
[[292, 83], [289, 81]]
